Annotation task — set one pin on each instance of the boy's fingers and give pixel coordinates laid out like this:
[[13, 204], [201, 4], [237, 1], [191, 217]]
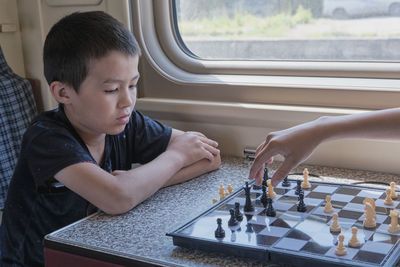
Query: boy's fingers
[[211, 149], [209, 141], [196, 133], [209, 155]]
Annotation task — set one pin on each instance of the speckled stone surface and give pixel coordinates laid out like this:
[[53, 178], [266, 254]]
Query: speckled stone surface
[[140, 233]]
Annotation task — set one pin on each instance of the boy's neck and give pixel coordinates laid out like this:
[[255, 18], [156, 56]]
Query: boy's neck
[[93, 140]]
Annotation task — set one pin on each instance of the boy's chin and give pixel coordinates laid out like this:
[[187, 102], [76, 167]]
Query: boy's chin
[[116, 131]]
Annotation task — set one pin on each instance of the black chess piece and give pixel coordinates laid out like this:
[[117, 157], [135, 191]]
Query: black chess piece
[[249, 216], [264, 183], [298, 187], [248, 207], [256, 187], [301, 206], [270, 211], [219, 233], [249, 228], [286, 182], [264, 196], [266, 175], [232, 221], [238, 214]]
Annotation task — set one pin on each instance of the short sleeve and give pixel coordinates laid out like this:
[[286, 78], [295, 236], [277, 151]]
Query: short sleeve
[[52, 150], [151, 138]]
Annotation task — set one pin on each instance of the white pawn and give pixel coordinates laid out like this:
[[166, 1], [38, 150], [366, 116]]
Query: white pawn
[[353, 242], [335, 227], [328, 206], [393, 190], [394, 226], [388, 199], [305, 184], [341, 249], [271, 192]]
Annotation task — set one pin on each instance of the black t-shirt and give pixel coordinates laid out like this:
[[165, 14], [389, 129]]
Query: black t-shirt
[[37, 204]]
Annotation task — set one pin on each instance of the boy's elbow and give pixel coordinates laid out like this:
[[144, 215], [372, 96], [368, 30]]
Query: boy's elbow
[[121, 202]]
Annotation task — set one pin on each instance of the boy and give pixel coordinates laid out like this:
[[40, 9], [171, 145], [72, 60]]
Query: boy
[[82, 152], [297, 143]]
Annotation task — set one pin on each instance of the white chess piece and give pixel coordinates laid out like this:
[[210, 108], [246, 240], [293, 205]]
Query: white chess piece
[[369, 221], [335, 227], [341, 249], [394, 226], [328, 206], [271, 192], [305, 184], [372, 202], [393, 190], [353, 242], [388, 199]]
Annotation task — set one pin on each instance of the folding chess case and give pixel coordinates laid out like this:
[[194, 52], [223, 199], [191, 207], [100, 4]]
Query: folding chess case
[[298, 238]]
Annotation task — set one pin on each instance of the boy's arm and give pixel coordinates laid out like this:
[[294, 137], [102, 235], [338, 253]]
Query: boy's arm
[[121, 191], [297, 143]]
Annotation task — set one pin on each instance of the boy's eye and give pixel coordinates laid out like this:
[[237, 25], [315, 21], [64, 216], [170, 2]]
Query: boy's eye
[[133, 86], [111, 91]]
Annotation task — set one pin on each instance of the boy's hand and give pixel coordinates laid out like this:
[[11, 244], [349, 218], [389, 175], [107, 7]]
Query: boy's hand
[[192, 147]]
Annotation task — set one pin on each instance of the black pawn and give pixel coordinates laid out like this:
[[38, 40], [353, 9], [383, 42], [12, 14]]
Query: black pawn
[[248, 207], [270, 209], [301, 206], [238, 214], [264, 196], [286, 182], [298, 188], [232, 221], [219, 233]]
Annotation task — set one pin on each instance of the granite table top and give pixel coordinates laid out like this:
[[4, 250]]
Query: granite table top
[[140, 234]]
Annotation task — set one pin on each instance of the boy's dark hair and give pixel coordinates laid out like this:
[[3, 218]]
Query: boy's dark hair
[[80, 37]]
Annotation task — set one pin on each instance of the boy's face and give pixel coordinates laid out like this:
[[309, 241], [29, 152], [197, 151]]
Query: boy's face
[[106, 97]]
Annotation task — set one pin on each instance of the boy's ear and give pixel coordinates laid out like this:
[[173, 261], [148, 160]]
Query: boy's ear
[[61, 92]]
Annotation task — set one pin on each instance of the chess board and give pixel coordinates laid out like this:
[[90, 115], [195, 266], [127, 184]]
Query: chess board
[[298, 238]]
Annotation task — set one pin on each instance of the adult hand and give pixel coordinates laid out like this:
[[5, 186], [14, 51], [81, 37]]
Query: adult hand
[[295, 145]]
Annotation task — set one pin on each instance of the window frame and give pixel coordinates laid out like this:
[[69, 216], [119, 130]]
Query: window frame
[[324, 84]]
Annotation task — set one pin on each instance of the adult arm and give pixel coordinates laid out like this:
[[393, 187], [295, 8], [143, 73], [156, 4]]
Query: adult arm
[[297, 143]]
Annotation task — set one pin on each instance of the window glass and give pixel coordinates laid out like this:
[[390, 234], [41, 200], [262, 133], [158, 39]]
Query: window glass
[[309, 30]]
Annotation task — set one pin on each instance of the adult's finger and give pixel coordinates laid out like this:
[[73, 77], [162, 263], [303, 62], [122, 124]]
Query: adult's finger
[[259, 176], [260, 159], [282, 171]]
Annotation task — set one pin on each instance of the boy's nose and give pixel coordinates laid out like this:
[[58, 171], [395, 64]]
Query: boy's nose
[[127, 98]]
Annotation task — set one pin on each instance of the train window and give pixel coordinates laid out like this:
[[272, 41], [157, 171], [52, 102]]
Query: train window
[[184, 54], [302, 30]]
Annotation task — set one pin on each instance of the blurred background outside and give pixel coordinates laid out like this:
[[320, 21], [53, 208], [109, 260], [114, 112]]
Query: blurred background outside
[[310, 30]]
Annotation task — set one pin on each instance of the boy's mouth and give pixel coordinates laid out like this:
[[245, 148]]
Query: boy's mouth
[[124, 119]]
